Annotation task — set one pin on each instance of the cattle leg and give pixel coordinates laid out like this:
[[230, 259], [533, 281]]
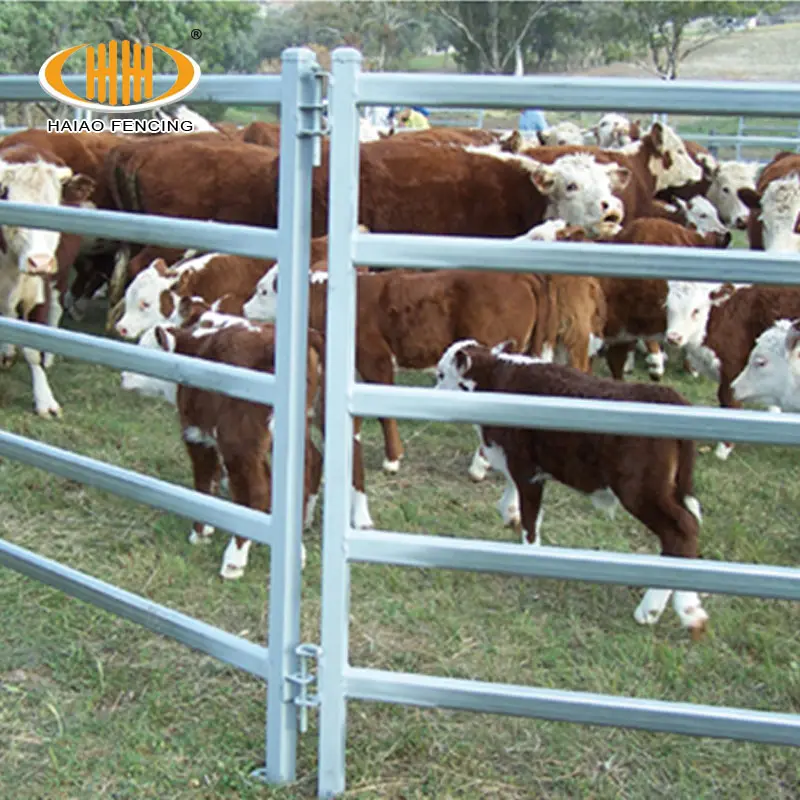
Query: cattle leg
[[55, 312], [655, 360], [377, 368], [249, 481], [726, 400], [480, 464], [689, 369], [43, 400], [677, 527], [531, 512], [206, 474], [313, 480], [615, 357], [359, 508], [630, 362]]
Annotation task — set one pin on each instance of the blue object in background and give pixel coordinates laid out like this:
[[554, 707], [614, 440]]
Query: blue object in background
[[532, 119]]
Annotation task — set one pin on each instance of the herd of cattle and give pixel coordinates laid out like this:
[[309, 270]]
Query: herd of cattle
[[491, 331]]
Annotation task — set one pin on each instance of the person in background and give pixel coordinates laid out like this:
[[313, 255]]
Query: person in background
[[532, 120], [415, 117]]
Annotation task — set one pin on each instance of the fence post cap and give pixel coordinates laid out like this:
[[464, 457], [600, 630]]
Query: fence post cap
[[344, 54], [297, 54]]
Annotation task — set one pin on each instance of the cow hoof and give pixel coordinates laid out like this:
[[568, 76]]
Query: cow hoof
[[202, 536], [512, 519], [656, 377], [723, 450], [230, 572], [50, 412], [698, 630], [391, 467], [477, 474]]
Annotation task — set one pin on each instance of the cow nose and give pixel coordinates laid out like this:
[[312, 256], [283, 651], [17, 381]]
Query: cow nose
[[122, 330], [611, 216], [674, 338], [41, 265], [741, 223]]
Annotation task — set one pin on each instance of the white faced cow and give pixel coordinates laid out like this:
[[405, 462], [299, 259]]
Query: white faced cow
[[727, 178], [28, 255], [778, 208]]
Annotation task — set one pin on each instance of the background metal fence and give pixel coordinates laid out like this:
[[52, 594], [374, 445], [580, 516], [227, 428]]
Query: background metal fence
[[298, 92], [342, 545]]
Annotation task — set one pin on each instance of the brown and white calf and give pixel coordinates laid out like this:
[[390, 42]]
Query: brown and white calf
[[718, 324], [222, 432], [614, 131], [406, 319], [651, 477], [29, 258], [154, 295]]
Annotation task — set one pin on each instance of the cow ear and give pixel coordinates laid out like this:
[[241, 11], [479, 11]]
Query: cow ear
[[657, 137], [165, 338], [620, 176], [77, 189], [793, 336], [544, 179], [181, 286], [160, 266], [508, 346], [750, 198], [463, 362], [720, 295]]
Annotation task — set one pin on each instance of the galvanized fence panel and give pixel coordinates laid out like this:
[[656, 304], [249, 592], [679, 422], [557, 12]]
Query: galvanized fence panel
[[340, 681], [297, 91]]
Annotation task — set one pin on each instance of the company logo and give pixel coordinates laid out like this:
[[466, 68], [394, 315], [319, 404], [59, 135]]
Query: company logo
[[106, 64]]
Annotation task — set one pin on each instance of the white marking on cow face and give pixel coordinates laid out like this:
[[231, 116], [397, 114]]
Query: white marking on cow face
[[544, 232], [146, 384], [701, 214], [142, 303], [688, 307], [780, 214], [563, 133], [767, 378], [452, 367], [726, 180], [33, 182], [263, 305], [682, 167], [580, 190], [613, 131], [211, 322]]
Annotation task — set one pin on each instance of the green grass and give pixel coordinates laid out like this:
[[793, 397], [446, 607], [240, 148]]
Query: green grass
[[93, 706]]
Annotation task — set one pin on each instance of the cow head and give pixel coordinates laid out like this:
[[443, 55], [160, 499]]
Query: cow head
[[766, 378], [263, 305], [149, 301], [726, 180], [580, 190], [689, 304], [561, 134], [148, 385], [615, 130], [455, 364], [779, 207], [670, 163], [43, 183], [701, 215]]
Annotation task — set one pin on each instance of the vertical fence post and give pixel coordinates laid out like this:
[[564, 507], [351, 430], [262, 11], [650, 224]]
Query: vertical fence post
[[298, 96], [740, 128], [339, 378]]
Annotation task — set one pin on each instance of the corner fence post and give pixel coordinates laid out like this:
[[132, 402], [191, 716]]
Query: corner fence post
[[339, 377], [298, 95]]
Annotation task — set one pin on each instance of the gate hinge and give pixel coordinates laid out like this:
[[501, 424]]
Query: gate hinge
[[303, 680]]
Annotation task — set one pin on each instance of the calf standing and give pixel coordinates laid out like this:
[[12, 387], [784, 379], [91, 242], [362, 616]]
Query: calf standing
[[651, 478]]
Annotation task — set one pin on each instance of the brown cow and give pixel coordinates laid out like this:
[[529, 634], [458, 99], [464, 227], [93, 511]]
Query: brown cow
[[650, 477]]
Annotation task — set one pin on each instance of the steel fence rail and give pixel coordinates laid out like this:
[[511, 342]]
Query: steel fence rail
[[722, 98], [690, 719], [573, 414], [246, 384], [192, 632], [238, 240], [745, 141], [426, 551], [248, 90], [343, 546], [575, 258], [138, 487]]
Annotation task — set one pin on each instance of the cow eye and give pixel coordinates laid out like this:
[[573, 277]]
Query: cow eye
[[144, 305], [695, 313], [572, 187], [726, 190], [3, 192]]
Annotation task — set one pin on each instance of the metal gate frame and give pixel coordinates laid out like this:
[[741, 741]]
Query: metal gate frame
[[339, 681], [298, 91]]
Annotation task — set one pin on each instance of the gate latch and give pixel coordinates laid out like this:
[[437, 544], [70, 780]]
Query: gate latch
[[303, 681]]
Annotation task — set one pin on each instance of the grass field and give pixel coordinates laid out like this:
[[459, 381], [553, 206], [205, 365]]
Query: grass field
[[93, 706]]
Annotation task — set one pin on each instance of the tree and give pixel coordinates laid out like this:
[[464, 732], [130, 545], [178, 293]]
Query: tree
[[663, 29]]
